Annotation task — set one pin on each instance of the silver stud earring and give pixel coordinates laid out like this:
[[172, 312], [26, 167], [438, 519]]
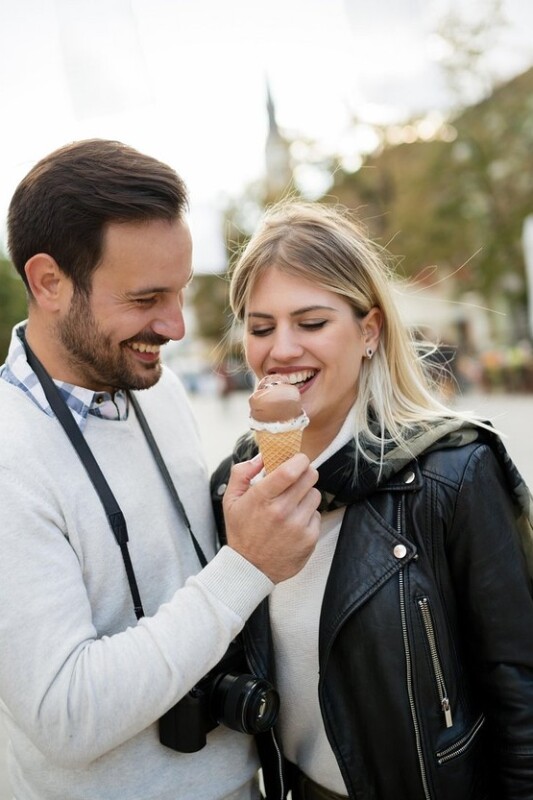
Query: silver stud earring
[[369, 353]]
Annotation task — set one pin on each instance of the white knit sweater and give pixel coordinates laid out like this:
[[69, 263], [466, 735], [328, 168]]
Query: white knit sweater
[[82, 684], [295, 608]]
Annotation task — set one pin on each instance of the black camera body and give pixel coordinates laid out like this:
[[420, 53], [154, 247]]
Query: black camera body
[[228, 694]]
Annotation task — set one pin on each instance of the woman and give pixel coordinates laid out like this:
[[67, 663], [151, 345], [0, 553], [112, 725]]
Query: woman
[[403, 651]]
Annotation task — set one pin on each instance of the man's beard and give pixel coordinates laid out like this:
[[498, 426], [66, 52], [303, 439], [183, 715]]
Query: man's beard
[[94, 356]]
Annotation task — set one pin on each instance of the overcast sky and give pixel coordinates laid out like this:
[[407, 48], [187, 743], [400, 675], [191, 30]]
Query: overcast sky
[[184, 80]]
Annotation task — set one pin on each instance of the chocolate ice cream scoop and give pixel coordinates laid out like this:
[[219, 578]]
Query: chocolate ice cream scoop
[[275, 400]]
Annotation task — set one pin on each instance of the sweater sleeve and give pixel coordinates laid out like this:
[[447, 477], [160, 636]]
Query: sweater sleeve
[[495, 596], [77, 695]]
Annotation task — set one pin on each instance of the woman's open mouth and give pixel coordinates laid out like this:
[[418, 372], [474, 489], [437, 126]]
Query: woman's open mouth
[[301, 378]]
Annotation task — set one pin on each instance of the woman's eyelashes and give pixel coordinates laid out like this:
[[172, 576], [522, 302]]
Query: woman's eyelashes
[[306, 325], [313, 325]]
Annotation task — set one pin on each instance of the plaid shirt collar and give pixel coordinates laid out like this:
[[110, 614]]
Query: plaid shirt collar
[[81, 401]]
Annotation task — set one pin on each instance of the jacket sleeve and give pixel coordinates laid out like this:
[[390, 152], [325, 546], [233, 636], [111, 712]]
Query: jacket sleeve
[[495, 602], [218, 483]]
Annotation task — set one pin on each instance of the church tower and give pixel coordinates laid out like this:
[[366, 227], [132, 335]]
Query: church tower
[[277, 156]]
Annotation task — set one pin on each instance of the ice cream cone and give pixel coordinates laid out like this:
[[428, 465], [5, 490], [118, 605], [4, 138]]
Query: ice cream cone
[[277, 419], [278, 447]]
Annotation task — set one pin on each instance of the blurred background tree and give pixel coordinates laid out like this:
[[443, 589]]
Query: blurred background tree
[[446, 193], [465, 46], [12, 303], [455, 191], [456, 195]]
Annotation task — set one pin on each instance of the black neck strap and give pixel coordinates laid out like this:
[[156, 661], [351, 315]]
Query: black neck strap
[[166, 475], [114, 514]]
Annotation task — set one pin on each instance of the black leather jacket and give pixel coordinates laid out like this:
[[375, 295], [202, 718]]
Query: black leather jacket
[[426, 639]]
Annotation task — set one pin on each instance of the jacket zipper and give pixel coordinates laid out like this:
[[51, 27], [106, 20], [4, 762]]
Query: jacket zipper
[[425, 610], [409, 670], [410, 693], [463, 744]]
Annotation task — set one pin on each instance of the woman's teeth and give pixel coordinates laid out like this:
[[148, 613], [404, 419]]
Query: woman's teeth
[[301, 377]]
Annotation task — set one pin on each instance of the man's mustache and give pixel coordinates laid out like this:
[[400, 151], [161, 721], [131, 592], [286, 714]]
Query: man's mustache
[[147, 338]]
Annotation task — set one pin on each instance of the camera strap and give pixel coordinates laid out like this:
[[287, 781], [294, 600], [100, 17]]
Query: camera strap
[[159, 460], [113, 511]]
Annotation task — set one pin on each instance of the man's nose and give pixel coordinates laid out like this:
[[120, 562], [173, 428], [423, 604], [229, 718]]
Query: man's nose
[[171, 323]]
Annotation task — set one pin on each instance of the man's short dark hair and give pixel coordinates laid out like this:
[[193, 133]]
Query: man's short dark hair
[[63, 205]]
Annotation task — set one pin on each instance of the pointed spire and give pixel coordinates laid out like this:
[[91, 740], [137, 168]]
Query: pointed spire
[[272, 124], [277, 155]]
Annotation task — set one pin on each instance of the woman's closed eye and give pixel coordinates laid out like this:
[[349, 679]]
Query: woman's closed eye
[[262, 331], [313, 325], [307, 325]]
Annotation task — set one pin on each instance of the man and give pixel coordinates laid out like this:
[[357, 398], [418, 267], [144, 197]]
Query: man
[[98, 233]]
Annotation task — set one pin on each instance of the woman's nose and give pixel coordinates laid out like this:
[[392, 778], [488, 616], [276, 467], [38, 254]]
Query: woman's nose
[[285, 346]]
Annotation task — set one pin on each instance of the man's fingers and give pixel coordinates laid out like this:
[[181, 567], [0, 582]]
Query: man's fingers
[[273, 523], [295, 473], [275, 483], [310, 503], [242, 474]]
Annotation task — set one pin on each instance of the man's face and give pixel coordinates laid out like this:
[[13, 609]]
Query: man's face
[[111, 339]]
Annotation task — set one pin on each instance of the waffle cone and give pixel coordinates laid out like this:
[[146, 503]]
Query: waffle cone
[[278, 447]]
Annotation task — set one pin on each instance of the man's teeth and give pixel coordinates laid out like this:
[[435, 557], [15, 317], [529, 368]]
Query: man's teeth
[[301, 377], [145, 348]]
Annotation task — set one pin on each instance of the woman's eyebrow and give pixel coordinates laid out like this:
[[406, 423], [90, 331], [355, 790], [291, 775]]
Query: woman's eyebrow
[[294, 313]]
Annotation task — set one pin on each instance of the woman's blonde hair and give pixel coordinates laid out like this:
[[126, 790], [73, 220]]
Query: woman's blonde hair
[[323, 244]]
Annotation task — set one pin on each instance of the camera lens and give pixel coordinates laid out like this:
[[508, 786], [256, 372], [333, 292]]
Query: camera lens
[[245, 703]]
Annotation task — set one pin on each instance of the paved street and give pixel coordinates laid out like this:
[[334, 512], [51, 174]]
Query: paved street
[[512, 415], [221, 421]]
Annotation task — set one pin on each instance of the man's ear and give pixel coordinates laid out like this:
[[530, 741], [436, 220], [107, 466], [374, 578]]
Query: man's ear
[[50, 287]]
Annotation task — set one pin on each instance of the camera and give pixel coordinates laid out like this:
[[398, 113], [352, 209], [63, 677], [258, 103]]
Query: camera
[[228, 695]]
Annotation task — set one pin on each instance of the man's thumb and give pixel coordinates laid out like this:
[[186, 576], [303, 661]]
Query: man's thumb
[[242, 474]]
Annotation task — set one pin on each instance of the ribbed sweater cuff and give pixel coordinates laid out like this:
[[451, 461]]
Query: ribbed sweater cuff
[[235, 582]]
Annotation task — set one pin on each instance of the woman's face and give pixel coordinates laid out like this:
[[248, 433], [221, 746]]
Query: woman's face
[[294, 327]]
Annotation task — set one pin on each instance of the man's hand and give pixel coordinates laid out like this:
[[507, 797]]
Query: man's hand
[[274, 523]]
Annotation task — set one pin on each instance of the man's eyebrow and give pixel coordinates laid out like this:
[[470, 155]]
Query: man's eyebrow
[[155, 289], [148, 290], [295, 313]]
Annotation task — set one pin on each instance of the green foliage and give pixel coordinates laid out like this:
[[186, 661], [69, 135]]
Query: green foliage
[[209, 296], [468, 43], [13, 306], [459, 202], [492, 186]]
